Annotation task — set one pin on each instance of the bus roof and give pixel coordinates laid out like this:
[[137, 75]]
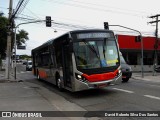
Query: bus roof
[[68, 33], [91, 30]]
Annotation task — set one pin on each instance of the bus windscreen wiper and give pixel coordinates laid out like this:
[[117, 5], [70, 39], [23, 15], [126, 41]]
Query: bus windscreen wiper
[[92, 48], [104, 44]]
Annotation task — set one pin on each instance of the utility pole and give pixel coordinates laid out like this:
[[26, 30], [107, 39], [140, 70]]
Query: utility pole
[[16, 44], [141, 40], [156, 41], [8, 52]]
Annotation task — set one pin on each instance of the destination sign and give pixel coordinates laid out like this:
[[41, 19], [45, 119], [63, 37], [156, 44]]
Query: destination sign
[[94, 35]]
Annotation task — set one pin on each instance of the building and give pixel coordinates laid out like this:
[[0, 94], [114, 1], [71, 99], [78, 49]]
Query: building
[[131, 51]]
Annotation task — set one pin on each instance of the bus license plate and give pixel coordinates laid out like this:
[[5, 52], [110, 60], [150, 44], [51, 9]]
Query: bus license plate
[[101, 85]]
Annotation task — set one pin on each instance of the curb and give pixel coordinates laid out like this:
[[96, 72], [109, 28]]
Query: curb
[[145, 79], [59, 102]]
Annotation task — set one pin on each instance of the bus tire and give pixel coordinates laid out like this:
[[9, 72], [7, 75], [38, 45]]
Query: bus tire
[[125, 79]]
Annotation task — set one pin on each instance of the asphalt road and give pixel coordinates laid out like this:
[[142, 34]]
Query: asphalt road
[[135, 95]]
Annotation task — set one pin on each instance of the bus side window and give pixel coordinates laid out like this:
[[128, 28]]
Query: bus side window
[[59, 58], [52, 57], [46, 59]]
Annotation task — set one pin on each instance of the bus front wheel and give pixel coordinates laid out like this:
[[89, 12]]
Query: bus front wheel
[[125, 79]]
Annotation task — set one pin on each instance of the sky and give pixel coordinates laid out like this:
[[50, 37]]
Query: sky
[[82, 14]]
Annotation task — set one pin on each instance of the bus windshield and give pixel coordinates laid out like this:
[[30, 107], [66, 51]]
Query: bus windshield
[[98, 53]]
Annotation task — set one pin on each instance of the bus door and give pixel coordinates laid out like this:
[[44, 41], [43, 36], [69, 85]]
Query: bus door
[[67, 66]]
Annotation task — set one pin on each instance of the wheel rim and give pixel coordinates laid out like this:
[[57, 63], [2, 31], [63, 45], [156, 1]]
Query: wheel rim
[[38, 77], [59, 83]]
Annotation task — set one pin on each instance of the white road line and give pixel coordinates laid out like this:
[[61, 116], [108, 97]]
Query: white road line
[[127, 91], [153, 97], [154, 85]]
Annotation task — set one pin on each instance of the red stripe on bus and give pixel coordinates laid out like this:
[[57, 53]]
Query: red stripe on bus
[[100, 77]]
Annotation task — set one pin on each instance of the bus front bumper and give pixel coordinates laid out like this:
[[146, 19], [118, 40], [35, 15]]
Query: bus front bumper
[[79, 85]]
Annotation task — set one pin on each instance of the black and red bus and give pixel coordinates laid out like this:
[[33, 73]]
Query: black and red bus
[[79, 60]]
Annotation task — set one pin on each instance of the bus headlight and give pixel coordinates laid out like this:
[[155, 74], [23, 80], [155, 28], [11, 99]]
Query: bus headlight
[[80, 77], [118, 72]]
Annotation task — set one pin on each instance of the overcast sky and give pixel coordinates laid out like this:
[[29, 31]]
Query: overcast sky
[[80, 14]]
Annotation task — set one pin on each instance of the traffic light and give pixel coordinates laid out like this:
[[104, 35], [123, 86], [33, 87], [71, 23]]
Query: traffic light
[[48, 21], [106, 26]]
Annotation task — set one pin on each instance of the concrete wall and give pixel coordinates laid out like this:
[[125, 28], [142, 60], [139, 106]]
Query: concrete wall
[[3, 64]]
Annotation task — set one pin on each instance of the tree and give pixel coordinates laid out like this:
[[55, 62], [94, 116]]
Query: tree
[[25, 57], [3, 37], [3, 34], [1, 13], [21, 37]]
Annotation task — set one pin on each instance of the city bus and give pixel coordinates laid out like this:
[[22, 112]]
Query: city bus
[[79, 60]]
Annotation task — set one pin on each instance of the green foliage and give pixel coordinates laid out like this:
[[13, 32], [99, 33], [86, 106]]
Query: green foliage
[[3, 35], [25, 57], [22, 37], [1, 13]]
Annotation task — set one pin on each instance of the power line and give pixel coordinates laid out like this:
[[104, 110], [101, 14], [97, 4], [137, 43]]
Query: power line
[[17, 8], [109, 7], [37, 17], [58, 23], [126, 12], [44, 15], [23, 6], [65, 26], [26, 19], [66, 19], [20, 7]]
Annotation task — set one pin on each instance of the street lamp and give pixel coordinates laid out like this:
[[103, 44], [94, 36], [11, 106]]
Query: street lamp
[[142, 70], [16, 44]]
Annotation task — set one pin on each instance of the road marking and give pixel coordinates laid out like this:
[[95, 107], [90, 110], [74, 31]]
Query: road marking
[[127, 91], [154, 85], [153, 97]]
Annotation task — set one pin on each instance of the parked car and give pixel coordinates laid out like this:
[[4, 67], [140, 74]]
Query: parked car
[[28, 65], [157, 69], [25, 62], [126, 69]]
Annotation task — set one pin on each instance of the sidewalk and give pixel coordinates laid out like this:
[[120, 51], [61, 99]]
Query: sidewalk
[[16, 95], [22, 96], [2, 75], [148, 76]]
